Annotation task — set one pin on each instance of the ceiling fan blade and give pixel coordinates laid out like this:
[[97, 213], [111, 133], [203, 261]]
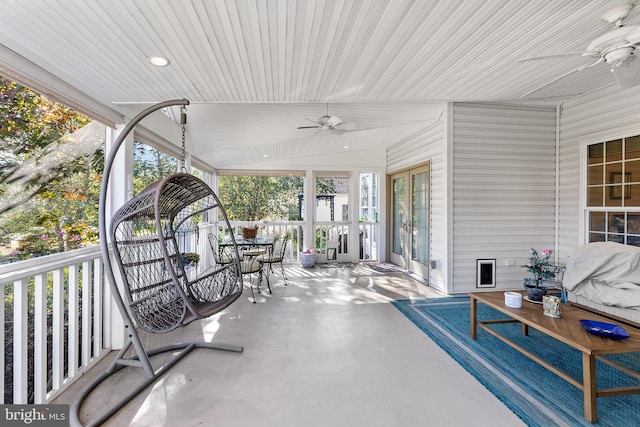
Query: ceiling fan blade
[[308, 127], [628, 73], [558, 55], [575, 70], [345, 126]]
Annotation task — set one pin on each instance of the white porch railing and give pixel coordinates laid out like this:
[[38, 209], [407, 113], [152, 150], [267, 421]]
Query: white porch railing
[[55, 322], [335, 235], [56, 309]]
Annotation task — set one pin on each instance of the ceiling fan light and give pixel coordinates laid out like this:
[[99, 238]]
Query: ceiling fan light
[[618, 12], [611, 38], [618, 56]]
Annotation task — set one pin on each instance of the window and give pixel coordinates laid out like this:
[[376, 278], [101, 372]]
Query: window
[[368, 194], [613, 191]]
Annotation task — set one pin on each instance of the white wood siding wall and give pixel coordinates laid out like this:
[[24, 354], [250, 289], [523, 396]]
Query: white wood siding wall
[[503, 187], [599, 116], [428, 145]]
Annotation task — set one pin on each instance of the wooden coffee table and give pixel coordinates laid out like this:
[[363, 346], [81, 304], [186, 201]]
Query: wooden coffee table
[[568, 330]]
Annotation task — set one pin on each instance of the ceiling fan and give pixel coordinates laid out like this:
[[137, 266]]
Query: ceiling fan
[[329, 123], [619, 47]]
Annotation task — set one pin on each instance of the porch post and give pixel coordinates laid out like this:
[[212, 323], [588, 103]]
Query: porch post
[[309, 211], [119, 192]]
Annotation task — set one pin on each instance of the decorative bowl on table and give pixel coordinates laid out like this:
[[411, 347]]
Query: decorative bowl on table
[[603, 329]]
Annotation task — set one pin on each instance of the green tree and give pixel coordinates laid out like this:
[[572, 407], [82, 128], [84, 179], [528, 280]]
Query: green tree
[[150, 165], [33, 131], [255, 198], [50, 168]]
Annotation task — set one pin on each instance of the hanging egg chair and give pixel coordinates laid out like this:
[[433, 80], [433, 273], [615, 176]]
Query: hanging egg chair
[[151, 236]]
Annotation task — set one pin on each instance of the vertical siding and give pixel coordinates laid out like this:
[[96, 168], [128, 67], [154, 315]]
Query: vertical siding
[[428, 145], [503, 162], [599, 116]]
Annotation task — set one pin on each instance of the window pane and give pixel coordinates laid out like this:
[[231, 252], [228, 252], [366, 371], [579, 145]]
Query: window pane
[[633, 170], [595, 196], [614, 151], [613, 173], [616, 222], [633, 224], [596, 237], [613, 195], [597, 221], [596, 153], [595, 175], [632, 148], [632, 195], [618, 238]]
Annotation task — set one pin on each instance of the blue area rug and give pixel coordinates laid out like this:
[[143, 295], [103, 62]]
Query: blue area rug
[[536, 395]]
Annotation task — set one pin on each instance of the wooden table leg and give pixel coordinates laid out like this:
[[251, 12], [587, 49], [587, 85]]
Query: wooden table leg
[[525, 329], [473, 316], [589, 385]]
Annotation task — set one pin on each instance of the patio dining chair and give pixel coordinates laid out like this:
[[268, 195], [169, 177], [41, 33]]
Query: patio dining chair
[[222, 255], [276, 257], [253, 271]]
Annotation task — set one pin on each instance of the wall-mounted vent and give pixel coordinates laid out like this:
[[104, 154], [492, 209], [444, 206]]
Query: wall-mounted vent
[[486, 273]]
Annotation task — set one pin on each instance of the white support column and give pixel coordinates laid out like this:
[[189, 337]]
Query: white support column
[[354, 216], [309, 211], [119, 192]]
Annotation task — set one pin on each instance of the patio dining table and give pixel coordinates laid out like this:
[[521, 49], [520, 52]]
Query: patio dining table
[[251, 247]]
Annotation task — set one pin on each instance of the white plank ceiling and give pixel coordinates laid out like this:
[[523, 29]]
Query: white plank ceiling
[[255, 69]]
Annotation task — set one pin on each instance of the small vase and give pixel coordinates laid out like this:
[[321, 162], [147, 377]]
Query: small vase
[[308, 260], [535, 294]]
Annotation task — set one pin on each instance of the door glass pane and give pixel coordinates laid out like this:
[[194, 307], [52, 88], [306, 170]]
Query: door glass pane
[[399, 213], [420, 218]]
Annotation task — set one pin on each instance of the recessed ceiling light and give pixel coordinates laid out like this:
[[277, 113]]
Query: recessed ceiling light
[[265, 155], [158, 61], [346, 146]]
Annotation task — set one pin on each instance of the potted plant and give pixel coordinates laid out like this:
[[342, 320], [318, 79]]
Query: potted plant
[[190, 259], [541, 269]]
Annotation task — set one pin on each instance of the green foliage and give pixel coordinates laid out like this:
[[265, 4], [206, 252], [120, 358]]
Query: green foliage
[[150, 165], [50, 172], [255, 198], [30, 127]]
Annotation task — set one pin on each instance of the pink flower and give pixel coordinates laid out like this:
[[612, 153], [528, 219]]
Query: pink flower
[[44, 237], [14, 253], [60, 232]]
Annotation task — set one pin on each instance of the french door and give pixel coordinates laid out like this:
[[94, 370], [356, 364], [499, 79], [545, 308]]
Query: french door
[[410, 195]]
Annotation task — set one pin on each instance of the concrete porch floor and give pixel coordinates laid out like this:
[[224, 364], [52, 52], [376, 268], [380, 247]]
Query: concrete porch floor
[[327, 350]]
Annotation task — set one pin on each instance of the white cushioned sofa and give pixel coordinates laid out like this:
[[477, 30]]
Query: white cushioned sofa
[[605, 276]]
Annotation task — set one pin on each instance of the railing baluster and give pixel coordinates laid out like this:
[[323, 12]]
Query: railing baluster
[[72, 331], [40, 339], [20, 336], [4, 290], [85, 339], [58, 328], [100, 308]]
